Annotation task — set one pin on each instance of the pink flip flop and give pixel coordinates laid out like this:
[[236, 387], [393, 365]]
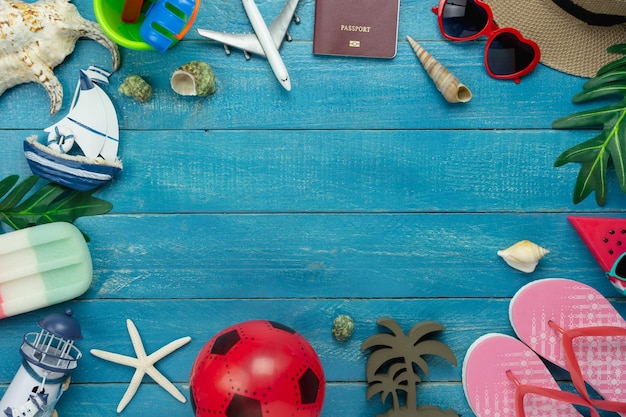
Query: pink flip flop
[[573, 326], [502, 377]]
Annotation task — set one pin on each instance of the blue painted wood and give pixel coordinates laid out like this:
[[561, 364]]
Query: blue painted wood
[[391, 94], [359, 192], [342, 171], [336, 255]]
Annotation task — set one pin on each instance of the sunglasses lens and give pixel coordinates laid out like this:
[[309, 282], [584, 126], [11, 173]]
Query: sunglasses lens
[[463, 18], [508, 55], [620, 267]]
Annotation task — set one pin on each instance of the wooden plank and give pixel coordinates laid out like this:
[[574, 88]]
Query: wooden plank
[[328, 256], [338, 256], [340, 171], [341, 399], [161, 321], [200, 319], [373, 94]]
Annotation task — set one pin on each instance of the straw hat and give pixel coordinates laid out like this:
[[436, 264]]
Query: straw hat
[[573, 35]]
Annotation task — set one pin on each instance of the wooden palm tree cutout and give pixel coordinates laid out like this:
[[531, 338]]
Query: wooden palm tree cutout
[[393, 363]]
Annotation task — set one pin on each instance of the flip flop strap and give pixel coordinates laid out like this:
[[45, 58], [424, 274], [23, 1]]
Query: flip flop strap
[[567, 340], [567, 397]]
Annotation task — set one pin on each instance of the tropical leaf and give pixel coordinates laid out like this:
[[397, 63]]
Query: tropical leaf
[[50, 203], [381, 359], [595, 155], [395, 361], [389, 340], [436, 348], [385, 384], [422, 329], [409, 348], [18, 193]]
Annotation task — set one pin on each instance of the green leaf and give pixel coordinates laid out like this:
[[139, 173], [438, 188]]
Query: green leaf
[[595, 155], [617, 149], [7, 183], [619, 48], [615, 74], [18, 193], [50, 203], [603, 116], [592, 177], [601, 91], [581, 152]]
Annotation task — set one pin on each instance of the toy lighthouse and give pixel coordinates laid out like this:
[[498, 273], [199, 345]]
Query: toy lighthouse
[[48, 358]]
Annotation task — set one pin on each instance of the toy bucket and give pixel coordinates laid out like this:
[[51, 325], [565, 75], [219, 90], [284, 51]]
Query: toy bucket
[[161, 23]]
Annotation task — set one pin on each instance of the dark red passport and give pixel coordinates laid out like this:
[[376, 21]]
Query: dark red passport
[[365, 28]]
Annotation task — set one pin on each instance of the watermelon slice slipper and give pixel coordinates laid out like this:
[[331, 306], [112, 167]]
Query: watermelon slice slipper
[[606, 240], [573, 326], [504, 377]]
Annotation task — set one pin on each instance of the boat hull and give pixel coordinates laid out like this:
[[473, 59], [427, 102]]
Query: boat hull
[[77, 173]]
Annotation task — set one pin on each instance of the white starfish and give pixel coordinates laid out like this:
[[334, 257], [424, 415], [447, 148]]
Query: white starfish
[[144, 364]]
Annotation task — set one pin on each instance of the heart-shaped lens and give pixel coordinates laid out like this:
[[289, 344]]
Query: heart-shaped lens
[[463, 19], [508, 54]]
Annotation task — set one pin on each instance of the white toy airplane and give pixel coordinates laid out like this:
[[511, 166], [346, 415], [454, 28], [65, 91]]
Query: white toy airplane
[[265, 41]]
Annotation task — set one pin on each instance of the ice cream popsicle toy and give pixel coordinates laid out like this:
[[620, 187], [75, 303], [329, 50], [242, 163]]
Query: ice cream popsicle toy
[[41, 266], [146, 24], [48, 358]]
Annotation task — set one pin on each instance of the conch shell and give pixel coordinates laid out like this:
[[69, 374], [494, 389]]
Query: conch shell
[[523, 256], [195, 78], [36, 37], [449, 86]]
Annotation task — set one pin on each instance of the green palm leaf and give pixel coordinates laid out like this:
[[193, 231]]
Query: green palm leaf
[[50, 203], [595, 155]]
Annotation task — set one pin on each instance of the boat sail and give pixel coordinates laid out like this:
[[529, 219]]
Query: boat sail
[[92, 125]]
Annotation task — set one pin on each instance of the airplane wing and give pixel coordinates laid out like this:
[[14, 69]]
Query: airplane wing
[[278, 28], [247, 42]]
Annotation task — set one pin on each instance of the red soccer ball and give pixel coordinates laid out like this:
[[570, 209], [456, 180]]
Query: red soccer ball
[[257, 369]]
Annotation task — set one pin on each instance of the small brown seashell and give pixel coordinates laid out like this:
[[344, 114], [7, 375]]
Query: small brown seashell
[[449, 86]]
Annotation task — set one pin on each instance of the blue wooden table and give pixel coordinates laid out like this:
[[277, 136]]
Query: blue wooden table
[[360, 192]]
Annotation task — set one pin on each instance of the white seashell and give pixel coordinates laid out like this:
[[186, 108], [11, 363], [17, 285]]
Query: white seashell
[[449, 86], [195, 78], [523, 256], [36, 37]]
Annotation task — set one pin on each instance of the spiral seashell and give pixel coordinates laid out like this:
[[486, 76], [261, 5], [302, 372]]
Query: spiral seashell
[[195, 78], [449, 86], [523, 256]]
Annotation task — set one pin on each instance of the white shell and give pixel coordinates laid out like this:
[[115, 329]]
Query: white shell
[[195, 78], [36, 37], [523, 256], [449, 86]]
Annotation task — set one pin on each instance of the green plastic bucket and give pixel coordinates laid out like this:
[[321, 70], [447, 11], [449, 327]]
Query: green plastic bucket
[[109, 16]]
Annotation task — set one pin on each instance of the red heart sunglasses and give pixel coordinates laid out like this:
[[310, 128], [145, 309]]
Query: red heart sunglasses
[[508, 55]]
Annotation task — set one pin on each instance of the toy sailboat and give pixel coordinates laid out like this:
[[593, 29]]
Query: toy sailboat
[[91, 124]]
